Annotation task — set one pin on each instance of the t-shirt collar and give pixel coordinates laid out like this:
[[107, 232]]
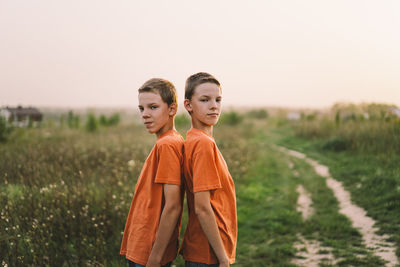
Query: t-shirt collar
[[169, 132], [199, 131]]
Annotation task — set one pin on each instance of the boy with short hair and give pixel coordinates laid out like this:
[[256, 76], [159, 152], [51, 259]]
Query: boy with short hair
[[211, 233], [153, 224]]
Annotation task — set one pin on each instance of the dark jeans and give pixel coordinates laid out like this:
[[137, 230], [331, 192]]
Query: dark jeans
[[132, 264], [199, 264]]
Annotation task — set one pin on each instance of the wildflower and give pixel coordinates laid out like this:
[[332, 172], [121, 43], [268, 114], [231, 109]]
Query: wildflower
[[131, 163], [95, 225], [114, 197]]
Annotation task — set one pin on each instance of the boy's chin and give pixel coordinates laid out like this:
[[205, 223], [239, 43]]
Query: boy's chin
[[211, 123]]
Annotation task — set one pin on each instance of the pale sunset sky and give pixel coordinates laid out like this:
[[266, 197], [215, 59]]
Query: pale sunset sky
[[97, 53]]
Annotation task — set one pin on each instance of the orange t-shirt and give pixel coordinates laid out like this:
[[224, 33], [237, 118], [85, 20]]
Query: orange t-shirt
[[162, 166], [205, 169]]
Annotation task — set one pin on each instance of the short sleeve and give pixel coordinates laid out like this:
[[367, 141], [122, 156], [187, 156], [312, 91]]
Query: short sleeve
[[169, 165], [205, 172]]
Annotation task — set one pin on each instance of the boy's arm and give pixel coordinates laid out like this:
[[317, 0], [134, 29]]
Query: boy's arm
[[169, 217], [205, 214]]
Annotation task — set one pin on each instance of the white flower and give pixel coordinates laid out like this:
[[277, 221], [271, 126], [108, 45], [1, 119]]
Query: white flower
[[131, 163]]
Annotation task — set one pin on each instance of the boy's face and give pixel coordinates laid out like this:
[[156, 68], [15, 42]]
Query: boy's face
[[155, 112], [205, 105]]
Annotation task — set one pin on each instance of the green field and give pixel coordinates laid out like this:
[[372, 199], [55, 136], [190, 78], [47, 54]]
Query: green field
[[65, 192]]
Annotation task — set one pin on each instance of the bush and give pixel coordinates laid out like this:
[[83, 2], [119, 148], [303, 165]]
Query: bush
[[112, 121], [258, 113], [336, 144], [182, 120], [73, 121], [4, 130], [91, 123], [103, 120], [231, 118]]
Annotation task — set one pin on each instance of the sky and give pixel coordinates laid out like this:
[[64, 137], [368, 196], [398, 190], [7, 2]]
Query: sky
[[265, 53]]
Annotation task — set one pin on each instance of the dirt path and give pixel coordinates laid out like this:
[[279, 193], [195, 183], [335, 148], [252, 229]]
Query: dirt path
[[309, 254], [304, 203], [379, 245], [308, 251]]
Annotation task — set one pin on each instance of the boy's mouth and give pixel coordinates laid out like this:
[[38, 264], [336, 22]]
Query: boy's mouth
[[147, 123], [212, 114]]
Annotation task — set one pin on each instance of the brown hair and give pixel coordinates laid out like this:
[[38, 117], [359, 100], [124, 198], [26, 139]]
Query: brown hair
[[163, 87], [195, 80]]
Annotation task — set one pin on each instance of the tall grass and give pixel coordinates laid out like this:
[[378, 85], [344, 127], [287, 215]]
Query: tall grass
[[65, 193], [64, 196], [358, 133]]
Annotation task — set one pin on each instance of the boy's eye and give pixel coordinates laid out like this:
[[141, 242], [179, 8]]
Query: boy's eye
[[153, 107], [219, 100], [141, 109], [204, 100]]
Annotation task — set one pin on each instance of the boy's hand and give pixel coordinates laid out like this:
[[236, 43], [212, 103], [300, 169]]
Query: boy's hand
[[224, 263]]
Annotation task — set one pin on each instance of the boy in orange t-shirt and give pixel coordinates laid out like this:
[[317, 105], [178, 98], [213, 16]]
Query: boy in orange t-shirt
[[211, 233], [153, 224]]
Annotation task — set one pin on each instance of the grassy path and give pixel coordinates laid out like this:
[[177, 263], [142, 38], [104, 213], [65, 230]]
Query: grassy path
[[364, 224], [271, 228]]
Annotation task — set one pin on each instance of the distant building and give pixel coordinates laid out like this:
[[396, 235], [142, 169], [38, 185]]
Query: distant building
[[20, 116], [395, 111], [294, 115]]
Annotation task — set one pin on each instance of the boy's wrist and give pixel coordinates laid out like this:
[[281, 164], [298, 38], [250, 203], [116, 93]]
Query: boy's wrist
[[155, 258], [224, 259]]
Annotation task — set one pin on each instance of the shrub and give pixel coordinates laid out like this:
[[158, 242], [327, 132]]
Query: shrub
[[182, 120], [4, 130], [73, 121], [231, 118], [114, 119], [336, 144], [103, 120], [258, 113], [91, 123]]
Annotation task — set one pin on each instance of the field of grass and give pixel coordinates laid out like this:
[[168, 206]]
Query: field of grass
[[65, 192]]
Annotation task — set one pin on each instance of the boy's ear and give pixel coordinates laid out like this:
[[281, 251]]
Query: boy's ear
[[188, 105], [172, 109]]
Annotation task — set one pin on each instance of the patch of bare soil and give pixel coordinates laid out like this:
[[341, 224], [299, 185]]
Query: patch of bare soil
[[304, 203], [310, 253]]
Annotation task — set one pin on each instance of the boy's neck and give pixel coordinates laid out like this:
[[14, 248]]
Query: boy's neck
[[205, 128], [167, 127]]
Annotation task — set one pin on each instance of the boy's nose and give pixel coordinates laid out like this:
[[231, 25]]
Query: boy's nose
[[145, 114], [214, 104]]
